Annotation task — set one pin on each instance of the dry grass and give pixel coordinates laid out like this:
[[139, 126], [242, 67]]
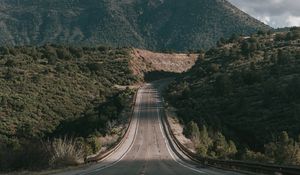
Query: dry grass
[[146, 61], [66, 152]]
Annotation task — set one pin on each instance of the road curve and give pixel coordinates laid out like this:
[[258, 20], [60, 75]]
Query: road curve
[[147, 151]]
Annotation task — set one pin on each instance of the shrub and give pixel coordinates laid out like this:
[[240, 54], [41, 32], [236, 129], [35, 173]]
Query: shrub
[[10, 63], [192, 131], [214, 68], [223, 85], [205, 142], [30, 155], [284, 57], [95, 143], [284, 151], [63, 54], [255, 156], [65, 152], [251, 77], [292, 90]]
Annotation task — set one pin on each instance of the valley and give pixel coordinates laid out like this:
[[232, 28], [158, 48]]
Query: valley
[[147, 87]]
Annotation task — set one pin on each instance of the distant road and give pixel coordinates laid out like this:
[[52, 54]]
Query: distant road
[[146, 150]]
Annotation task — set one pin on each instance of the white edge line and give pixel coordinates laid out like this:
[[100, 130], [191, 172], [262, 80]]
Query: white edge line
[[168, 148], [131, 145]]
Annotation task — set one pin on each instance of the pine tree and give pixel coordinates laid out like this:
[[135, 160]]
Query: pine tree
[[205, 142], [223, 85], [193, 132], [220, 145], [231, 149]]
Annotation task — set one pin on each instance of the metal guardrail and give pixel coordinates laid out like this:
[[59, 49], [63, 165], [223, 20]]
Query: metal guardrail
[[234, 165], [100, 156]]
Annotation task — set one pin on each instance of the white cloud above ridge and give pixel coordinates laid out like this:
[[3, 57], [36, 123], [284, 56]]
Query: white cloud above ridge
[[276, 13]]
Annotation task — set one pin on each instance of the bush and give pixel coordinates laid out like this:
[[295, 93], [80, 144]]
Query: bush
[[223, 85], [66, 152], [10, 63], [221, 148], [192, 131], [63, 54], [251, 77], [284, 151], [283, 57], [31, 155], [214, 68], [94, 143], [292, 90], [205, 142], [255, 156], [215, 146], [41, 101]]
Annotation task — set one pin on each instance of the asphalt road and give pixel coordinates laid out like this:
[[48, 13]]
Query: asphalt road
[[146, 150]]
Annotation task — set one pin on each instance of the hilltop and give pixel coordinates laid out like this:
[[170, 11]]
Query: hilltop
[[151, 24]]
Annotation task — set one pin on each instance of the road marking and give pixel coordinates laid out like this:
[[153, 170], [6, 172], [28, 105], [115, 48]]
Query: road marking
[[169, 149], [127, 151]]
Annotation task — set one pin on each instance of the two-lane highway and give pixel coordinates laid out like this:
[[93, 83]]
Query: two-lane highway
[[146, 150]]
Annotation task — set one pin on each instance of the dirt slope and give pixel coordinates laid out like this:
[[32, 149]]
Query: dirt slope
[[146, 61]]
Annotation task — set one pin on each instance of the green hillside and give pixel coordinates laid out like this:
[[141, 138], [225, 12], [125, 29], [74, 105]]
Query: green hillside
[[56, 91], [248, 88], [151, 24]]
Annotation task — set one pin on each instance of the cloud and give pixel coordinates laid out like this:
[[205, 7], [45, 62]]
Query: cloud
[[294, 20], [277, 13]]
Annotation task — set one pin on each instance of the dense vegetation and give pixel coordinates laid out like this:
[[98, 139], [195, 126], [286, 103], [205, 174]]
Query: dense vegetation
[[59, 92], [247, 88], [152, 24]]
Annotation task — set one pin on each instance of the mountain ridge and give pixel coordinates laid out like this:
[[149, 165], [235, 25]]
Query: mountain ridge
[[155, 25]]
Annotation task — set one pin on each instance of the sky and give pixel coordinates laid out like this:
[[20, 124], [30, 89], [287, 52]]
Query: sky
[[276, 13]]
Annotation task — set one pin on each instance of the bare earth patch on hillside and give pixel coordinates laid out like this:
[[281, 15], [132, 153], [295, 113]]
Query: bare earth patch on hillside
[[146, 61]]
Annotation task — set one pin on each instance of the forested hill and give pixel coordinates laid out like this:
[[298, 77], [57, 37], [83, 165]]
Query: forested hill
[[248, 89], [76, 95], [152, 24]]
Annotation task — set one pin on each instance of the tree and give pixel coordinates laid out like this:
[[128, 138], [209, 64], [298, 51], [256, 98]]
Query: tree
[[253, 47], [231, 149], [292, 90], [10, 63], [4, 50], [283, 57], [234, 38], [220, 146], [245, 47], [9, 75], [297, 55], [261, 32], [201, 57], [284, 151], [255, 156], [63, 54], [280, 37], [221, 42], [223, 85], [269, 91], [193, 132], [214, 68], [205, 142], [250, 77]]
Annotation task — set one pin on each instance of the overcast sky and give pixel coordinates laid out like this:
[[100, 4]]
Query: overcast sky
[[276, 13]]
